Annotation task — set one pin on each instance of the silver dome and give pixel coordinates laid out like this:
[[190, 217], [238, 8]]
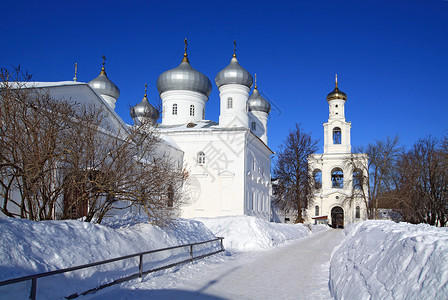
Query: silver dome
[[184, 77], [234, 73], [257, 102], [144, 110], [104, 86]]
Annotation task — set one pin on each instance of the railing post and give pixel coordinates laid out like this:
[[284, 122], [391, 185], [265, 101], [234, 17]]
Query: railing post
[[140, 267], [191, 252], [33, 289]]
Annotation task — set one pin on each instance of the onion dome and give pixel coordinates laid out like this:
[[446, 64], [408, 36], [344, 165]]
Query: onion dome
[[144, 110], [257, 102], [184, 77], [336, 93], [235, 74], [103, 85]]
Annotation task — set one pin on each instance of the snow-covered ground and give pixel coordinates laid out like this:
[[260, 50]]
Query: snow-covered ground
[[28, 247], [386, 260], [375, 260]]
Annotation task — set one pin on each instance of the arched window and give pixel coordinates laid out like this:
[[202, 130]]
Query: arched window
[[337, 178], [229, 102], [316, 210], [203, 114], [201, 158], [174, 109], [337, 136], [357, 179], [317, 179], [192, 110], [357, 212], [253, 126]]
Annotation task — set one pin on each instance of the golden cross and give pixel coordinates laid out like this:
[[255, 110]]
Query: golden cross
[[255, 80], [234, 48], [104, 59], [186, 44], [336, 80], [146, 88]]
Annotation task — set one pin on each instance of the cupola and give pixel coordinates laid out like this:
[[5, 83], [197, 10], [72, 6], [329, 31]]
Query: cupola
[[336, 93], [144, 110], [184, 77], [105, 87], [257, 102], [234, 74]]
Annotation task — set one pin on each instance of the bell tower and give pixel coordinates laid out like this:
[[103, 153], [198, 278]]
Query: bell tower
[[337, 130]]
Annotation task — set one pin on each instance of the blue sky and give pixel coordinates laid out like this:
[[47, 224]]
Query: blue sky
[[391, 56]]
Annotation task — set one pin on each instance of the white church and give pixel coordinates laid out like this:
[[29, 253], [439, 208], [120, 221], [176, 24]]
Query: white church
[[336, 200], [228, 162]]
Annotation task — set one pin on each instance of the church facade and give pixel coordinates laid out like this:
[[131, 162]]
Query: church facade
[[337, 173], [228, 162]]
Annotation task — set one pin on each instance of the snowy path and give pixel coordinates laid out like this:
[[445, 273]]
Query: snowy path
[[299, 270]]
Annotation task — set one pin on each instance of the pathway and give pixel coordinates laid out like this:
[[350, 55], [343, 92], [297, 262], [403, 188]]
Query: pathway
[[299, 270]]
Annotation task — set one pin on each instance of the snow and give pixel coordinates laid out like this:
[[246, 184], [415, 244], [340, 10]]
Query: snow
[[29, 247], [244, 233], [387, 260], [375, 259], [295, 270], [42, 84]]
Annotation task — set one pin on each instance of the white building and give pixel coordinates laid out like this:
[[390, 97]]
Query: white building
[[228, 162], [336, 200]]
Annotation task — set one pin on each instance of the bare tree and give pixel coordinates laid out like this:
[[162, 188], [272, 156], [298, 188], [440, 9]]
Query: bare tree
[[291, 170], [60, 159], [423, 184], [32, 132], [374, 179]]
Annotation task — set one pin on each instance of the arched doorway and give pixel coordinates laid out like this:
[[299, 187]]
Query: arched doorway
[[337, 217]]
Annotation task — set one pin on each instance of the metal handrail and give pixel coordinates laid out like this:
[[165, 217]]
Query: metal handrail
[[34, 277]]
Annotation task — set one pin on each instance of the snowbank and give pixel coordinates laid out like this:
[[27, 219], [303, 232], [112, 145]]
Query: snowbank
[[386, 260], [245, 233], [28, 247]]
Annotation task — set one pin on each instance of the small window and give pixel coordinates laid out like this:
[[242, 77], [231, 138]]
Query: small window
[[253, 126], [203, 114], [316, 210], [229, 102], [201, 158], [357, 212], [317, 179], [337, 136], [191, 110], [336, 106], [174, 109]]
